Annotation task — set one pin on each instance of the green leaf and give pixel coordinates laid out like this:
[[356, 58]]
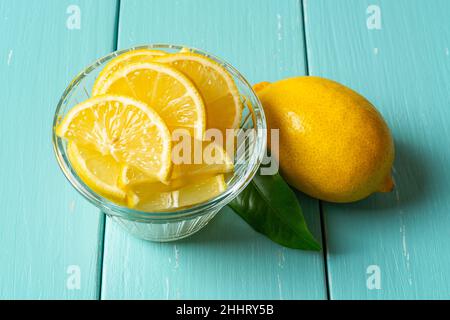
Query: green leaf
[[270, 207]]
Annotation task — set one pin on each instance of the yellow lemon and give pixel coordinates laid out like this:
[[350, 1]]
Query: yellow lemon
[[334, 145]]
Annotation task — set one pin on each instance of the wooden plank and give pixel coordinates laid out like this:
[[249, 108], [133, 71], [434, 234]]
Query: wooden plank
[[404, 69], [228, 259], [49, 235]]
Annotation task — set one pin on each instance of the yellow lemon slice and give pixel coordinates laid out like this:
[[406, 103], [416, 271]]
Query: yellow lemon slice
[[212, 160], [130, 176], [217, 87], [206, 158], [98, 171], [169, 92], [153, 199], [126, 129], [149, 191], [134, 56]]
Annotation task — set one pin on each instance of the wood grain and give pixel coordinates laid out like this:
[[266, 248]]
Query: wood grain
[[228, 260], [404, 69], [45, 227]]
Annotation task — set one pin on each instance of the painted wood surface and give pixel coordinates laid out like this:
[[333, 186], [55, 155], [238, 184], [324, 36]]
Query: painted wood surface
[[47, 232], [404, 69], [263, 39]]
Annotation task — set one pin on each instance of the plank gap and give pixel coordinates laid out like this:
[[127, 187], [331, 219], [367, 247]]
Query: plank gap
[[305, 41], [325, 250], [103, 222], [322, 220]]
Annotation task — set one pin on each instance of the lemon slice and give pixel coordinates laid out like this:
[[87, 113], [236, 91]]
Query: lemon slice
[[151, 191], [130, 176], [217, 87], [139, 55], [146, 198], [213, 160], [98, 171], [166, 90], [127, 130]]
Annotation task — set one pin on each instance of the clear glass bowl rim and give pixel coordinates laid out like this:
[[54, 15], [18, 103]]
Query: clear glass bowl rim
[[218, 202]]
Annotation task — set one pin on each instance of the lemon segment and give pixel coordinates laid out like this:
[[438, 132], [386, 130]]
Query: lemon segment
[[127, 130], [169, 92], [134, 56], [151, 192], [212, 160], [131, 176], [98, 171], [203, 189], [217, 87]]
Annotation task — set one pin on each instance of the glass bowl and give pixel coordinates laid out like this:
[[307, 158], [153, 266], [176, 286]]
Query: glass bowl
[[173, 225]]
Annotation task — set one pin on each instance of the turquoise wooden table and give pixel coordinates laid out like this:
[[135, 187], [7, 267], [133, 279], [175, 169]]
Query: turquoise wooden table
[[391, 246]]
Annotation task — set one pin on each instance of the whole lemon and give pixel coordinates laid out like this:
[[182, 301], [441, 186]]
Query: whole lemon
[[333, 144]]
